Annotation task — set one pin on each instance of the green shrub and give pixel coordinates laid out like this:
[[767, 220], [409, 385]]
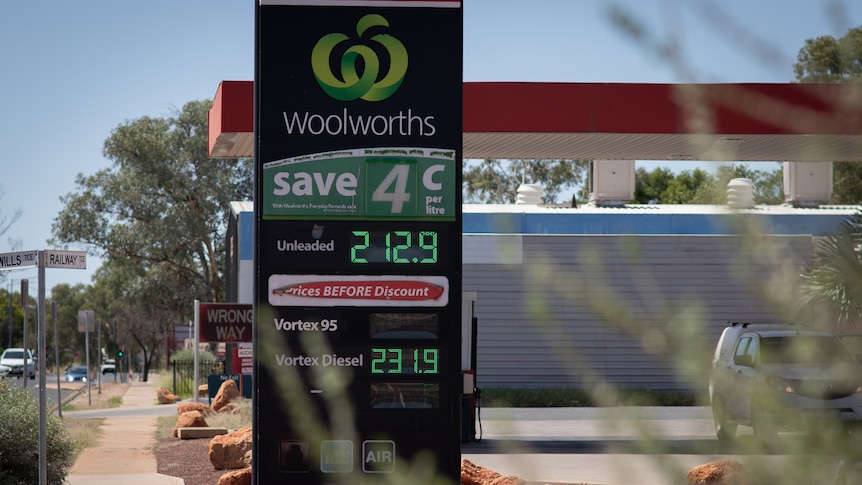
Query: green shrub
[[19, 440], [188, 355]]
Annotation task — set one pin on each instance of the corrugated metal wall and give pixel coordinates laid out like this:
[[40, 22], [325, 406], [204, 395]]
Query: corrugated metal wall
[[634, 311]]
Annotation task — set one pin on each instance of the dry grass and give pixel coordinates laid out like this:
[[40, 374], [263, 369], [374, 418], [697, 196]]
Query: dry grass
[[241, 418], [84, 432], [235, 420], [110, 397]]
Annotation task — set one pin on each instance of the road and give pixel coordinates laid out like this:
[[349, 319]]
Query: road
[[633, 446], [67, 390]]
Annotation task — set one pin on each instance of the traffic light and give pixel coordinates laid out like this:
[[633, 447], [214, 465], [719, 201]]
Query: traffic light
[[120, 353]]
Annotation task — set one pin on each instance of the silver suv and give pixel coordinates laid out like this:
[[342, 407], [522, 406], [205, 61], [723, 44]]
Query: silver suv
[[14, 359], [777, 377]]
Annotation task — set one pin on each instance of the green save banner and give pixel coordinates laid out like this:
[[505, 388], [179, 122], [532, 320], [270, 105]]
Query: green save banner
[[363, 183]]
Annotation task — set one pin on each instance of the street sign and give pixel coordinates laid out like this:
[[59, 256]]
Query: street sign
[[225, 322], [86, 320], [19, 260], [56, 258]]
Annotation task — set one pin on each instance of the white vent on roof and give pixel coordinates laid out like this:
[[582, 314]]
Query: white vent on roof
[[612, 182], [740, 194], [529, 194], [807, 184]]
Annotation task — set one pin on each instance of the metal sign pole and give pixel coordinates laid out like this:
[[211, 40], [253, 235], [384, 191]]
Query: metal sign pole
[[25, 290], [197, 357], [99, 350], [87, 350], [40, 331]]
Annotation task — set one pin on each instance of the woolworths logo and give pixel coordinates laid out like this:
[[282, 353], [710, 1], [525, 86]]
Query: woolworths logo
[[349, 84]]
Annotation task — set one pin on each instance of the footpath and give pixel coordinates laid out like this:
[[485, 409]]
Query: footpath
[[124, 452]]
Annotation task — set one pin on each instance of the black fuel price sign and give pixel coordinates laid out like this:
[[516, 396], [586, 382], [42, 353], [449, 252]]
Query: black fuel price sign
[[358, 229]]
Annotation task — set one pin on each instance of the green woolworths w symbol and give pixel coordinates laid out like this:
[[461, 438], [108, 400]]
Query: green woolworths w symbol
[[351, 85]]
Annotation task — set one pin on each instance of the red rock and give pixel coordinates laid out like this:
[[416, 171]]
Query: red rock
[[191, 419], [721, 472], [236, 477], [165, 396], [226, 393], [232, 450], [473, 474], [185, 407]]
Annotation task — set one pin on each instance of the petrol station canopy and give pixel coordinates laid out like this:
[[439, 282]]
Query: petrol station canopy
[[722, 122]]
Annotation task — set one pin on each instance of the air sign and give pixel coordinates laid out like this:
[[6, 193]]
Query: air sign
[[358, 221]]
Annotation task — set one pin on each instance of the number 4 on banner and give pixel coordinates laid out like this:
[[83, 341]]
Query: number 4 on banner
[[397, 177]]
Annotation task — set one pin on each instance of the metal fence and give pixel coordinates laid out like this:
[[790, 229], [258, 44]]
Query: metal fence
[[184, 375]]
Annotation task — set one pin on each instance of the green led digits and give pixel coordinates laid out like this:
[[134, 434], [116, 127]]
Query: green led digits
[[405, 360], [395, 247], [428, 360], [356, 247]]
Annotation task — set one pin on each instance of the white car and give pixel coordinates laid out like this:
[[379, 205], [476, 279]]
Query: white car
[[777, 377], [109, 366], [14, 359]]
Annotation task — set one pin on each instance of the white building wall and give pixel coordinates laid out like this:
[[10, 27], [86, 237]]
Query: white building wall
[[581, 309]]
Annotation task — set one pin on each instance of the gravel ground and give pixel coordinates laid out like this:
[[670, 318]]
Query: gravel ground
[[186, 459]]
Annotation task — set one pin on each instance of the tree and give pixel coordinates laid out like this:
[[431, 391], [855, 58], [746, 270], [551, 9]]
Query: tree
[[6, 221], [691, 187], [68, 300], [834, 277], [157, 215], [650, 187], [826, 59], [700, 187], [847, 183], [829, 60], [496, 182]]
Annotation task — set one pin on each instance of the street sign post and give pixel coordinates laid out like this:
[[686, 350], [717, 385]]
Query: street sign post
[[358, 228], [42, 259]]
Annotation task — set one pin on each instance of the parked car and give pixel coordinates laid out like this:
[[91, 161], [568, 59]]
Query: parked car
[[109, 366], [14, 359], [777, 377], [77, 373]]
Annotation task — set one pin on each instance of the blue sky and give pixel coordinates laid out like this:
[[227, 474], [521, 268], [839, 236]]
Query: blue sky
[[74, 70]]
